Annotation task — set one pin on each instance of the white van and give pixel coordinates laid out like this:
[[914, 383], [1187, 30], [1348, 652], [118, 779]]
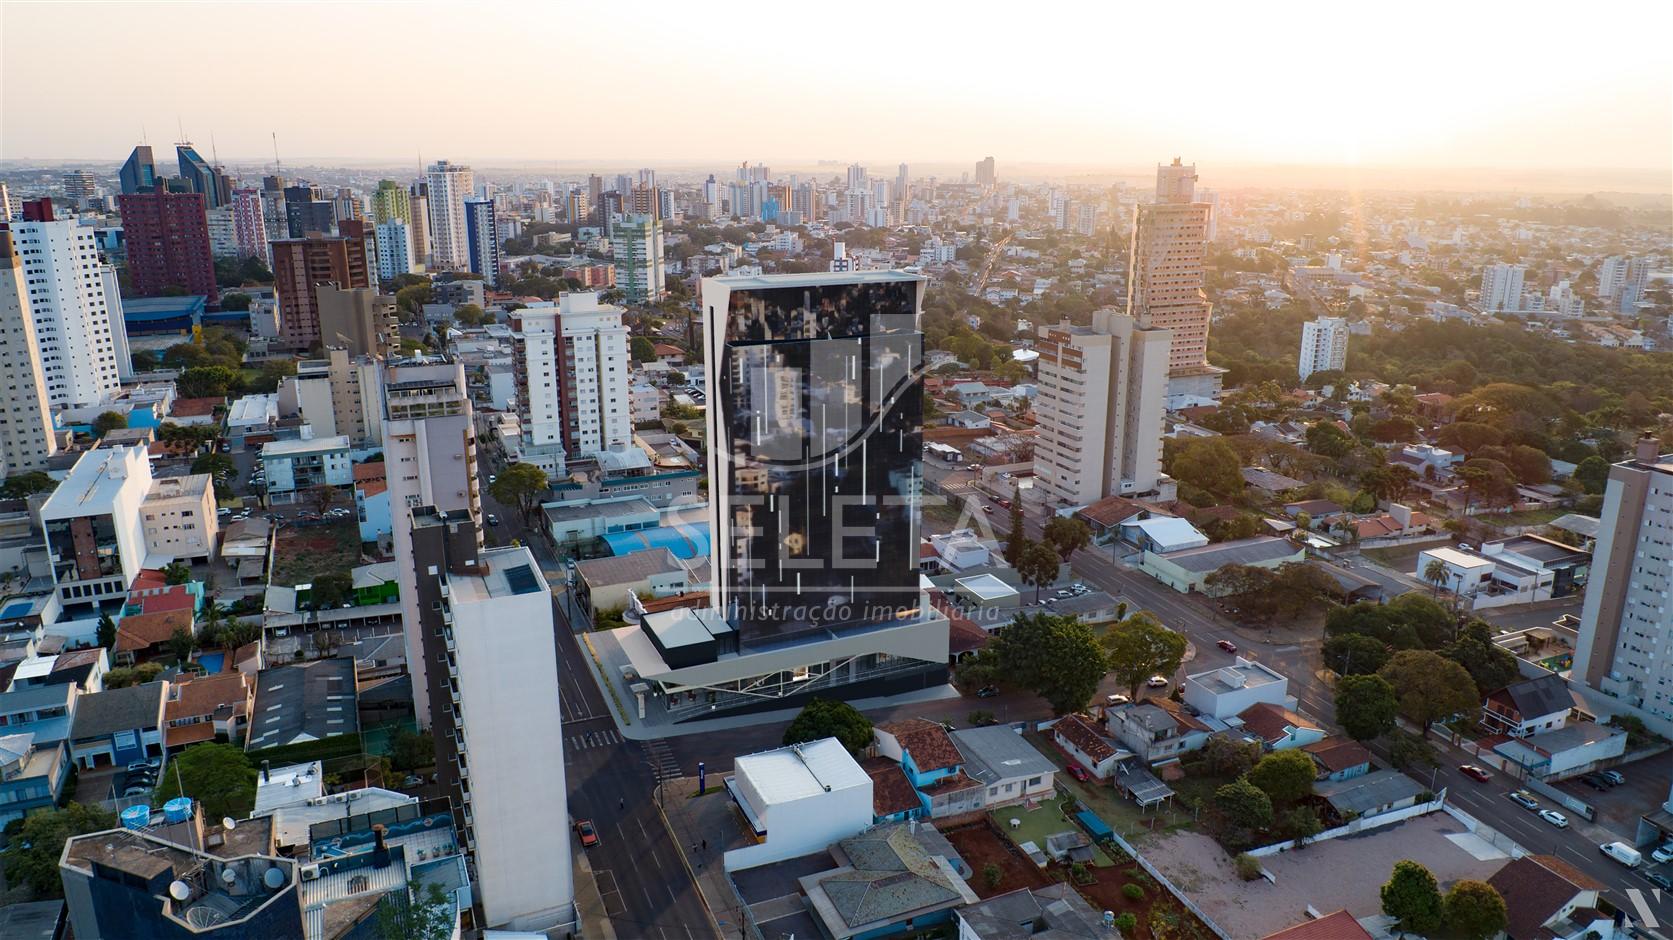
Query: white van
[[1623, 853]]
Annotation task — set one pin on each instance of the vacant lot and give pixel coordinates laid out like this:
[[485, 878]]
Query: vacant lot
[[304, 552], [980, 845]]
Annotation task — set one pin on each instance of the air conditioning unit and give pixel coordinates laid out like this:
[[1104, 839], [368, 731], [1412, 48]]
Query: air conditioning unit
[[310, 872]]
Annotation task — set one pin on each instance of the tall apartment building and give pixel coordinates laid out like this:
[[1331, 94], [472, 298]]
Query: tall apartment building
[[395, 249], [77, 320], [985, 172], [390, 201], [418, 200], [358, 319], [572, 367], [482, 240], [1621, 281], [223, 232], [1324, 346], [167, 237], [640, 272], [1625, 647], [1501, 287], [449, 185], [249, 219], [138, 173], [308, 211], [203, 177], [429, 455], [1165, 280], [341, 394], [300, 265], [80, 186], [26, 439], [1101, 402]]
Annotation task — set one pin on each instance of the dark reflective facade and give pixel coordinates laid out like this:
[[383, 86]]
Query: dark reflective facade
[[818, 444]]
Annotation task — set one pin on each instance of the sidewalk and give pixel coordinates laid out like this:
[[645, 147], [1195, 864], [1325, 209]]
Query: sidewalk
[[589, 903], [693, 821]]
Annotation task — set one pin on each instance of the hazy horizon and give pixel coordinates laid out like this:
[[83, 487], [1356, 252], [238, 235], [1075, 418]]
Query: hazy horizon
[[1058, 92]]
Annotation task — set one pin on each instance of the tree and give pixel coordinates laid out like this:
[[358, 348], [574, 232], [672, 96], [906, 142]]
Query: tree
[[1207, 469], [1067, 534], [109, 421], [410, 750], [1412, 898], [1039, 566], [208, 381], [1353, 654], [412, 298], [176, 573], [1284, 776], [219, 466], [1410, 752], [468, 314], [1327, 440], [1474, 910], [644, 349], [824, 718], [1491, 666], [235, 301], [321, 496], [107, 631], [1366, 706], [1229, 757], [236, 633], [992, 874], [1429, 685], [332, 589], [1488, 482], [1244, 805], [1016, 540], [1592, 473], [27, 484], [1435, 573], [1140, 647], [1469, 436], [1410, 621], [1055, 657], [406, 915], [218, 776], [33, 852], [522, 485]]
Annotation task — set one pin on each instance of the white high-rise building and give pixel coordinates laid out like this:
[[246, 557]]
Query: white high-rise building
[[1100, 404], [1501, 287], [1611, 274], [573, 366], [1324, 346], [394, 239], [449, 186], [1165, 281], [1629, 285], [1625, 647], [26, 439], [641, 275], [1562, 300], [429, 447], [76, 321]]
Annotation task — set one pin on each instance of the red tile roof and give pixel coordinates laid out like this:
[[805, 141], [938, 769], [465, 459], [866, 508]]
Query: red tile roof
[[928, 743], [891, 792], [75, 658], [137, 632], [1076, 730], [155, 600], [1270, 721], [1111, 511], [195, 407], [1338, 926], [1336, 754]]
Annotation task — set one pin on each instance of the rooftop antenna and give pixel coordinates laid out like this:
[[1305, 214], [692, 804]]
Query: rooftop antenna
[[278, 168], [214, 152], [182, 126], [144, 138]]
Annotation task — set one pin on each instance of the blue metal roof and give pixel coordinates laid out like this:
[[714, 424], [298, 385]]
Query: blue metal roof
[[685, 541], [141, 309]]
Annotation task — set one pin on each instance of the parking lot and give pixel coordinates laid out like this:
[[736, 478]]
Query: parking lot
[[1619, 808]]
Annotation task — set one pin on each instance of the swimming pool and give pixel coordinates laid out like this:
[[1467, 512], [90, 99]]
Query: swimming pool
[[212, 662]]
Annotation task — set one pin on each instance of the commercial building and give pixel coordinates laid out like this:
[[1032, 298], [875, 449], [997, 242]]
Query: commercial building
[[180, 521], [167, 237], [395, 249], [1324, 346], [26, 433], [301, 265], [1626, 624], [1229, 690], [138, 173], [448, 186], [429, 445], [308, 212], [78, 326], [95, 538], [1501, 287], [572, 370], [798, 800], [482, 240], [1101, 404], [1165, 280], [302, 464], [640, 273], [485, 625], [1187, 570], [203, 177], [358, 320]]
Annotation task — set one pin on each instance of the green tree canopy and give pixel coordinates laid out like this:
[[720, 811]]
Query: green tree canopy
[[1592, 473], [644, 349], [1067, 534], [1284, 776], [1412, 897], [1327, 440], [1429, 686], [522, 485], [1140, 647], [218, 776], [1039, 566], [1468, 437], [209, 381], [1351, 654], [109, 421], [1366, 706], [408, 915], [33, 851], [824, 718], [176, 573], [1474, 910], [1410, 621], [468, 314], [332, 589], [27, 484], [1491, 666], [1244, 805], [1057, 658], [1207, 469]]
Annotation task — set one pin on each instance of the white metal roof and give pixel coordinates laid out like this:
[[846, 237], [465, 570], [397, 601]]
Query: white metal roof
[[1170, 533], [799, 771]]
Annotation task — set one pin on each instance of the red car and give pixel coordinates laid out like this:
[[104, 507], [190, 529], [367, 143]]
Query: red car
[[1227, 645], [1474, 772], [1079, 773], [589, 835]]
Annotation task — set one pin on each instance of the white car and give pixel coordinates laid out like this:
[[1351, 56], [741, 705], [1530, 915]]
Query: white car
[[1157, 682], [1663, 854], [1554, 818]]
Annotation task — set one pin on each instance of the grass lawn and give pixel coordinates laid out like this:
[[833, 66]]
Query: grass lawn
[[1117, 812], [1530, 517], [1045, 820]]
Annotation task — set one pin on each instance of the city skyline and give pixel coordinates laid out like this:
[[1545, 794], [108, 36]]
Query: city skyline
[[1297, 110]]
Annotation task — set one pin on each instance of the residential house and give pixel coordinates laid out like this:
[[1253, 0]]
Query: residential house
[[932, 764], [204, 708], [1106, 516], [893, 798], [798, 800], [1379, 791], [1229, 690], [152, 616], [44, 711], [1277, 727], [1570, 750], [303, 702], [1339, 758], [1269, 482], [1000, 759], [1085, 745], [371, 502], [1056, 912], [1528, 707], [1547, 898], [31, 775], [890, 879], [1156, 730], [118, 726], [1317, 510], [1340, 925]]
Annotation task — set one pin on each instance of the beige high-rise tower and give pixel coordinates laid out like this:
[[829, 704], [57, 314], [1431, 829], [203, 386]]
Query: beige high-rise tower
[[1165, 280], [26, 439]]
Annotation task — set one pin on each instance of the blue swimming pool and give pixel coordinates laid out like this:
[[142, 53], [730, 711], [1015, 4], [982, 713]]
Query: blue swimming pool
[[16, 610], [212, 662]]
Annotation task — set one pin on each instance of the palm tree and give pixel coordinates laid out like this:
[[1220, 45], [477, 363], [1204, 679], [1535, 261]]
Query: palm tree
[[1435, 574]]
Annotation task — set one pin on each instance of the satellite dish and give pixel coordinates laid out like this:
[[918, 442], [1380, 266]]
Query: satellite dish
[[273, 878], [228, 875], [180, 890], [227, 822]]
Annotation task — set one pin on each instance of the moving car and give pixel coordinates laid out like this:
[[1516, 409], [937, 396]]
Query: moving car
[[1117, 699], [1157, 682], [1227, 645], [987, 691], [589, 835], [1658, 879], [1554, 818], [493, 519], [1079, 773], [1474, 772], [1623, 853], [1523, 799], [492, 478]]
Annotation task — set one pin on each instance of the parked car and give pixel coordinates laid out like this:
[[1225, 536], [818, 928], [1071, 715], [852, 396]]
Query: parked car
[[1474, 772], [1117, 699], [1003, 503], [987, 691], [1157, 682], [493, 519], [1659, 880], [1227, 645], [1595, 781], [1554, 818], [1079, 773], [492, 478], [1613, 776], [412, 780], [1663, 854], [589, 835], [140, 767], [1524, 799], [136, 790]]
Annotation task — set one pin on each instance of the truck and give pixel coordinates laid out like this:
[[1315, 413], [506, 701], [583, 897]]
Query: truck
[[1623, 853]]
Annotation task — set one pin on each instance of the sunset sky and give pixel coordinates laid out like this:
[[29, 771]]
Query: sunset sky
[[1458, 84]]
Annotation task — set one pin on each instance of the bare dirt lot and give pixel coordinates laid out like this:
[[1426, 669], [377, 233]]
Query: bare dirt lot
[[979, 844]]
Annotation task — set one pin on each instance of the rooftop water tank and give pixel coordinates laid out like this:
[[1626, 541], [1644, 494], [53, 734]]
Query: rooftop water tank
[[136, 817], [177, 810]]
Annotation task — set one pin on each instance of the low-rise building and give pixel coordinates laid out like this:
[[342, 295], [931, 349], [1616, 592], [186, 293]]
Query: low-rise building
[[1086, 745], [1226, 691], [1380, 791], [1278, 728], [1546, 897], [932, 763], [44, 711], [797, 800], [119, 726], [1002, 760], [1156, 730], [1531, 706], [886, 879], [31, 776], [295, 466], [607, 583], [1187, 570], [1568, 751], [308, 701], [204, 708], [180, 522], [1339, 758], [1056, 912]]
